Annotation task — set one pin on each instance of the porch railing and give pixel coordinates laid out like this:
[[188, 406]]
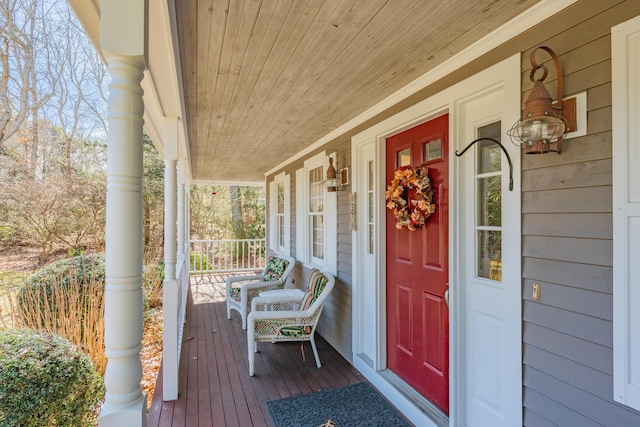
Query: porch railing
[[182, 275], [220, 256]]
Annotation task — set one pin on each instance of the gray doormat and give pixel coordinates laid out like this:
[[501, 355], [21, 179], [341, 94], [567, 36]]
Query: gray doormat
[[350, 406]]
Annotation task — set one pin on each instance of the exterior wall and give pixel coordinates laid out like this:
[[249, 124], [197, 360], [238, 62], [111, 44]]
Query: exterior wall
[[567, 235], [335, 322], [337, 315], [566, 230], [567, 227]]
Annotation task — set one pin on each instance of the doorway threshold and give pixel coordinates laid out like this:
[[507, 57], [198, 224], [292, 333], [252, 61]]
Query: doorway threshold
[[438, 417]]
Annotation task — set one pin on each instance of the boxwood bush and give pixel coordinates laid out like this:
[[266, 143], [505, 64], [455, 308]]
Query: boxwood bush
[[81, 270], [45, 381]]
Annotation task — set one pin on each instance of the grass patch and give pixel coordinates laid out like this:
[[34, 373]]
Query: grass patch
[[10, 282], [12, 279]]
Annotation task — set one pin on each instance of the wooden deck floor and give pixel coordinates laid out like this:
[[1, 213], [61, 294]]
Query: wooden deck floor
[[215, 388]]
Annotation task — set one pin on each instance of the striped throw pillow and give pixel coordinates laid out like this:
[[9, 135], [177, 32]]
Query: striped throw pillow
[[317, 282]]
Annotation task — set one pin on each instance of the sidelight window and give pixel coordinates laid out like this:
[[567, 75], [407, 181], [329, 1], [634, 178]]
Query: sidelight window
[[488, 177]]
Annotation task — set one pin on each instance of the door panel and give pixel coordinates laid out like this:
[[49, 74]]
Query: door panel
[[403, 252], [489, 267], [486, 345], [434, 247], [417, 270], [366, 320], [433, 314], [404, 315]]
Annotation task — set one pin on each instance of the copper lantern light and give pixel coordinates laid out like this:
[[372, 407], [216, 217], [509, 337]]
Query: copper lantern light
[[331, 183], [335, 179], [543, 121]]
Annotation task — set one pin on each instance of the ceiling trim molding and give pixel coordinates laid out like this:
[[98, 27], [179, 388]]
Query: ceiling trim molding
[[518, 25]]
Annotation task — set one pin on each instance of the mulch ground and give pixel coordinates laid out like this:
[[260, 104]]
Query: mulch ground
[[151, 354]]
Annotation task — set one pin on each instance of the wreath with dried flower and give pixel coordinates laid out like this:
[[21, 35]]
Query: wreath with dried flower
[[410, 213]]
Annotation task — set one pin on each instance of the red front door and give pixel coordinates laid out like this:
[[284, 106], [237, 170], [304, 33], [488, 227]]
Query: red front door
[[417, 270]]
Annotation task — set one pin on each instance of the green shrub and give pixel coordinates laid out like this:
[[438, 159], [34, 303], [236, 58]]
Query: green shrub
[[45, 381], [82, 271], [66, 298], [152, 279], [7, 232], [81, 268], [76, 251], [85, 271], [197, 261], [153, 272]]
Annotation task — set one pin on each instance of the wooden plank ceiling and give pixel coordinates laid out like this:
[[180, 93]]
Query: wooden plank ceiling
[[263, 79]]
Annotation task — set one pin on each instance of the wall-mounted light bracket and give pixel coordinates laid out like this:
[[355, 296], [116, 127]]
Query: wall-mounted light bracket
[[335, 179], [544, 121]]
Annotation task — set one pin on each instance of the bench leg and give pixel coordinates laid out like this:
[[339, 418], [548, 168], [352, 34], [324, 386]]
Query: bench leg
[[315, 350]]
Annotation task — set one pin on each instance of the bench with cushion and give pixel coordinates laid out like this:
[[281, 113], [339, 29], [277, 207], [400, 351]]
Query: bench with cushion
[[276, 318], [242, 289]]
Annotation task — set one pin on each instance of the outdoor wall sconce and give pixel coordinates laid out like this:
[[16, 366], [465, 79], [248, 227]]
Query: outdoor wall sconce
[[544, 121], [335, 179]]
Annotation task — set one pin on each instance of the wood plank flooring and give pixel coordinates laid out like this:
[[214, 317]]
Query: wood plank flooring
[[215, 388]]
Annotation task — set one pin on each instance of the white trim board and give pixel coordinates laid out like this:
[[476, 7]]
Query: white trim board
[[446, 101], [625, 61]]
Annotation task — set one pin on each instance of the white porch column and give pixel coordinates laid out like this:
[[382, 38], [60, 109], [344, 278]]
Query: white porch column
[[181, 206], [123, 41], [187, 212], [170, 284]]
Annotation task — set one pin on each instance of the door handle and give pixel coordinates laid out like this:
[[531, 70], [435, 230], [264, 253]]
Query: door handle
[[446, 296]]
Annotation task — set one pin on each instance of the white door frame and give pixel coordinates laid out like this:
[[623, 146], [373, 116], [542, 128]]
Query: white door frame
[[505, 73]]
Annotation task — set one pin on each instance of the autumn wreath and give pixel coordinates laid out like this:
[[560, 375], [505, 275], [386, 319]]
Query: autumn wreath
[[410, 213]]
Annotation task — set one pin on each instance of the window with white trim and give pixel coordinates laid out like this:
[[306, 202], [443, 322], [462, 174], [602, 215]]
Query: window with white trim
[[280, 214], [625, 66], [315, 213], [316, 216]]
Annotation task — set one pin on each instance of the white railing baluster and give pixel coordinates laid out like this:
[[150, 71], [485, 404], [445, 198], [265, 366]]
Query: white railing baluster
[[243, 245], [226, 255]]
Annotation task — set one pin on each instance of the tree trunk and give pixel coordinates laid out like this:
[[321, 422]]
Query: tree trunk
[[67, 153], [33, 161], [34, 124], [237, 220]]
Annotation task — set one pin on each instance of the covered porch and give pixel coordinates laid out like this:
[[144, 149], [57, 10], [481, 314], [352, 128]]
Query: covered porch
[[215, 388], [275, 92]]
